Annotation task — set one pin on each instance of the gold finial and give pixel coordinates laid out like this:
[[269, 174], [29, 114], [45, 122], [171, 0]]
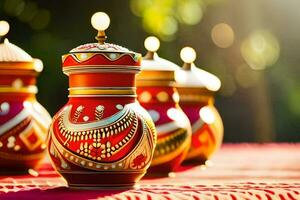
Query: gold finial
[[188, 55], [100, 21], [152, 45], [4, 28]]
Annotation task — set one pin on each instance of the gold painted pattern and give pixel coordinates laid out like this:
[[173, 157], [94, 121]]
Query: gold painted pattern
[[143, 151], [29, 89], [24, 125], [97, 131], [99, 112], [111, 56], [107, 150], [171, 146], [32, 128], [91, 91], [144, 148]]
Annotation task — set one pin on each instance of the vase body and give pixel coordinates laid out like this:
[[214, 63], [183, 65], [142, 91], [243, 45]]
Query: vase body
[[207, 126], [160, 99], [23, 121], [102, 137]]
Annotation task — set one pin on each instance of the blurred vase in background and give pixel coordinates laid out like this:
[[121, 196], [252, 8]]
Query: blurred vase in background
[[156, 93], [23, 121], [196, 89]]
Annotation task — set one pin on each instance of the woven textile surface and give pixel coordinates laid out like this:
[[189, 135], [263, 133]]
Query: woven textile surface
[[237, 171]]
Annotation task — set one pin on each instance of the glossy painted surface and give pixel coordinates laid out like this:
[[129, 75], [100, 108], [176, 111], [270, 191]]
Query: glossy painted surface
[[206, 124], [23, 122], [172, 125], [102, 137]]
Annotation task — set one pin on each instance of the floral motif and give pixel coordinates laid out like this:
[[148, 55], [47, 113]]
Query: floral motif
[[139, 161]]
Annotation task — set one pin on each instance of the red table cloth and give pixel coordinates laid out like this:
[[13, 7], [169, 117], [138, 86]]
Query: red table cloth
[[238, 171]]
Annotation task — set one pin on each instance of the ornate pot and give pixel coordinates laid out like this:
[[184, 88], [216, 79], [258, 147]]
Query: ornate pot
[[157, 94], [23, 121], [102, 137], [196, 89]]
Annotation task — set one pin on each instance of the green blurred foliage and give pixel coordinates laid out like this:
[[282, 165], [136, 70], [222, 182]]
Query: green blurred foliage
[[162, 17]]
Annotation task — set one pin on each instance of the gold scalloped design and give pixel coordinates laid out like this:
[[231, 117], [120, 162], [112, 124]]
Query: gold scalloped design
[[171, 146], [97, 47], [111, 56]]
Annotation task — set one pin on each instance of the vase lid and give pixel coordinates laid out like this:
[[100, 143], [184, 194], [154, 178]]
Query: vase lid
[[193, 77], [13, 57], [155, 68], [100, 56]]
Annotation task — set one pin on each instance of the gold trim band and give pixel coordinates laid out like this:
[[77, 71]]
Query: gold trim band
[[18, 72], [196, 98], [100, 68], [103, 91], [145, 83], [32, 89], [156, 76]]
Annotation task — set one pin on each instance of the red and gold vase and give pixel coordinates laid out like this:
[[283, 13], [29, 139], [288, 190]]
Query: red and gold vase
[[157, 94], [196, 89], [102, 137], [23, 121]]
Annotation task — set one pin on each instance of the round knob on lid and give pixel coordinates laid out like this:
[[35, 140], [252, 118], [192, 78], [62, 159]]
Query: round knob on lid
[[152, 44], [4, 28], [100, 21], [188, 55], [38, 65]]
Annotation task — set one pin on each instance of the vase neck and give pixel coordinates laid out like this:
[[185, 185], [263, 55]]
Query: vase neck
[[102, 80], [18, 85], [102, 85], [105, 100]]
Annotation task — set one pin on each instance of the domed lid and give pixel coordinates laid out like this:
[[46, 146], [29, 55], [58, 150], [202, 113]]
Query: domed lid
[[192, 76], [12, 53], [154, 67], [151, 61], [13, 57], [100, 56]]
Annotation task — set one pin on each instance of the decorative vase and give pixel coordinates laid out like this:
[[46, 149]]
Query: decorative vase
[[102, 137], [196, 89], [23, 121], [156, 93]]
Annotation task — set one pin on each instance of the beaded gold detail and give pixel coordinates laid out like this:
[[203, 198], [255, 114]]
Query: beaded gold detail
[[104, 129], [138, 159]]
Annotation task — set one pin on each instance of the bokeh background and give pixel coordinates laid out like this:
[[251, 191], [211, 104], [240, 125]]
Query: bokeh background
[[251, 45]]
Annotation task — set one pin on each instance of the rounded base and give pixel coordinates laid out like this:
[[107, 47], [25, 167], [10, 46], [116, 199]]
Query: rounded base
[[164, 169], [102, 180]]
